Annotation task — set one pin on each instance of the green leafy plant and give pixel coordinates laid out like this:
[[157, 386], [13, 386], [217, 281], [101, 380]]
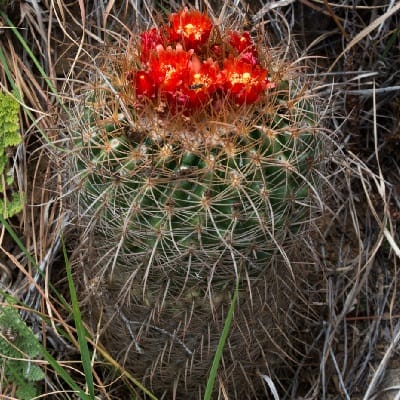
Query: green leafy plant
[[9, 136], [18, 349]]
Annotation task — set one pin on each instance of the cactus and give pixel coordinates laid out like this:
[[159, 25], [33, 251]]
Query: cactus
[[195, 158]]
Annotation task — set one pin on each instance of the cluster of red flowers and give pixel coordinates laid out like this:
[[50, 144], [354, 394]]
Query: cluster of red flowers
[[187, 67]]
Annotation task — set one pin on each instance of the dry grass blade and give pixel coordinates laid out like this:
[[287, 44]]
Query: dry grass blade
[[366, 31], [378, 375]]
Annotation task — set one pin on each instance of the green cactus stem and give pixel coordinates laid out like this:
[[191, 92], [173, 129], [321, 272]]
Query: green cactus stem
[[193, 166]]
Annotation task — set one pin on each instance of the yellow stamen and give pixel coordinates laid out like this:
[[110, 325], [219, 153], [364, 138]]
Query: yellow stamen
[[170, 72], [189, 28], [246, 76], [240, 78]]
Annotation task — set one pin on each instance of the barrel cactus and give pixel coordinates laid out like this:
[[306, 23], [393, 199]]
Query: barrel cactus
[[194, 157]]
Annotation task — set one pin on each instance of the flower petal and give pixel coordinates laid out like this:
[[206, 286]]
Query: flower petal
[[244, 83], [144, 84], [149, 40], [191, 27]]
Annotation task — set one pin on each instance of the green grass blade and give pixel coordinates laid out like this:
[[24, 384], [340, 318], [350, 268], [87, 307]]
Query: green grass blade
[[32, 57], [221, 345], [29, 257], [46, 355], [10, 78], [18, 94], [60, 371], [81, 332], [57, 368], [17, 241]]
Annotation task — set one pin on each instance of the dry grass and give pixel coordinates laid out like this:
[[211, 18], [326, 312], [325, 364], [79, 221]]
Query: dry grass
[[347, 330]]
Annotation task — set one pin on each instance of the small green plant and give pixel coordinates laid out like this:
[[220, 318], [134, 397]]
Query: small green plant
[[9, 136], [18, 349]]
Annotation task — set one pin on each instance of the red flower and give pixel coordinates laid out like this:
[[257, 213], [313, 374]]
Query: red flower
[[241, 41], [149, 41], [205, 78], [191, 27], [244, 46], [243, 82], [184, 79], [144, 84], [170, 68]]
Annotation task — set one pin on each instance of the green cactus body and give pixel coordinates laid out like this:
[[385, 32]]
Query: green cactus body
[[184, 201], [226, 189]]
